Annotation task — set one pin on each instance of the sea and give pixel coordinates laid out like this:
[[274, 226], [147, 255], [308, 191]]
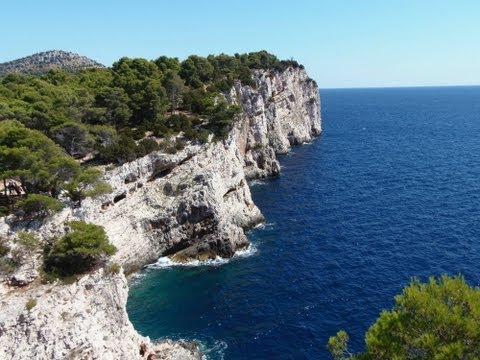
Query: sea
[[390, 191]]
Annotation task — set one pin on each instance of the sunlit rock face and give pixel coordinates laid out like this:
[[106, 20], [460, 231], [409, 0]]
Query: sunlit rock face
[[195, 204]]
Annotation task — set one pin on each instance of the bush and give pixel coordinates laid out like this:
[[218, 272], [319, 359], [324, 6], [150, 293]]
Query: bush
[[4, 211], [146, 146], [87, 183], [180, 144], [100, 188], [38, 206], [434, 320], [179, 123], [200, 135], [31, 303], [4, 248], [114, 268], [168, 146], [159, 128], [78, 251], [7, 265], [28, 240]]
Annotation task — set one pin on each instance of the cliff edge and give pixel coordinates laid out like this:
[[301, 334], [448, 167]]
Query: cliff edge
[[195, 204]]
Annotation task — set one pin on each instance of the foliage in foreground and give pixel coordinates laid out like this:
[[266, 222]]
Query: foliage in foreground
[[78, 251], [435, 320]]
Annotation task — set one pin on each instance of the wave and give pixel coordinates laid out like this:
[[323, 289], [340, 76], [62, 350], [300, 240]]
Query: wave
[[215, 351], [257, 182], [136, 278], [264, 226], [166, 262]]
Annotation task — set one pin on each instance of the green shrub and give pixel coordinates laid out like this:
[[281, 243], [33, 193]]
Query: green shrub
[[146, 146], [180, 144], [179, 122], [38, 206], [114, 268], [78, 251], [31, 303], [87, 183], [4, 248], [7, 265], [138, 134], [168, 146], [28, 240], [121, 151], [4, 211], [201, 135], [337, 345], [160, 129], [100, 188]]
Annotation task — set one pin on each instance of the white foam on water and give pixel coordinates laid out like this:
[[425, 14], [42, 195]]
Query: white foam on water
[[264, 226], [136, 278], [216, 351], [256, 182], [166, 262], [245, 252]]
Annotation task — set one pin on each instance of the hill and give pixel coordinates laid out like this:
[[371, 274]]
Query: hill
[[42, 62]]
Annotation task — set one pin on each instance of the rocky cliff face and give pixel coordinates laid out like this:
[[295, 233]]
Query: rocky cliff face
[[42, 62], [85, 320], [283, 110], [195, 204]]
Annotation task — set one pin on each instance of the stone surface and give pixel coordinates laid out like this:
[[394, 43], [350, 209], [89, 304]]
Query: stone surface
[[84, 320], [282, 111], [195, 204]]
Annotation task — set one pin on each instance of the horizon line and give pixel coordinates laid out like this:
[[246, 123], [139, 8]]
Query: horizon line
[[395, 87]]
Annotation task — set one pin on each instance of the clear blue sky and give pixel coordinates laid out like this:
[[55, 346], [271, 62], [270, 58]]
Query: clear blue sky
[[343, 43]]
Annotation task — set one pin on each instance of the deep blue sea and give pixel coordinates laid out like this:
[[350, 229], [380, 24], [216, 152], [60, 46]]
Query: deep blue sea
[[391, 190]]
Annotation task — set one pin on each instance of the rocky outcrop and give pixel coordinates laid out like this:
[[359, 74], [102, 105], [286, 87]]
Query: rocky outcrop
[[84, 320], [43, 62], [283, 110], [195, 204], [163, 203]]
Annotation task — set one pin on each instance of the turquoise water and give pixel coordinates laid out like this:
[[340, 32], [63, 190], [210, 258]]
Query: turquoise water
[[391, 190]]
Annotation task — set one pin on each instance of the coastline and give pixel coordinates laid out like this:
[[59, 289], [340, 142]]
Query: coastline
[[200, 209]]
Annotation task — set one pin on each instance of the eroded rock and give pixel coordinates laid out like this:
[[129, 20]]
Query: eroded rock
[[192, 205]]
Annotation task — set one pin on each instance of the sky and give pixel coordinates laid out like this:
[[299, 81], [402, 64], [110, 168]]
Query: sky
[[342, 43]]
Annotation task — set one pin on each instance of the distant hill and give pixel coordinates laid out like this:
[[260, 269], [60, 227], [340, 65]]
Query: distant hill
[[44, 61]]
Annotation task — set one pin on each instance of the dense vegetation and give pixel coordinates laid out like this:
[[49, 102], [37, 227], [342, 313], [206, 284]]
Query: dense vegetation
[[107, 111], [435, 320], [43, 170], [48, 123]]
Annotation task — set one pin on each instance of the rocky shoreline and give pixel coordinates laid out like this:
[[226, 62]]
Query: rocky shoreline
[[195, 204]]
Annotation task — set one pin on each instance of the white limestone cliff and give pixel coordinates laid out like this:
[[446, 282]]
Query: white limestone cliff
[[195, 204]]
